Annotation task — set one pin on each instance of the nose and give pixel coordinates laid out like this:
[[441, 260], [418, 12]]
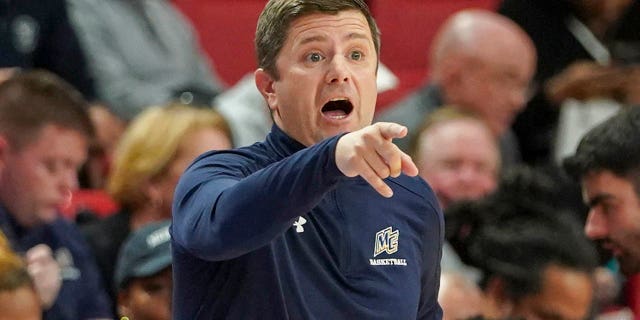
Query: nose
[[68, 180], [338, 70], [596, 226], [467, 174]]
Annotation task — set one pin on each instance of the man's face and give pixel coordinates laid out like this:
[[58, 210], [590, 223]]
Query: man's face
[[147, 298], [37, 179], [614, 217], [460, 160], [495, 84], [327, 82], [566, 295]]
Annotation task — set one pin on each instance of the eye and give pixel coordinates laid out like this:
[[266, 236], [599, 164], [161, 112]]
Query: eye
[[50, 165], [608, 208], [356, 55], [314, 57]]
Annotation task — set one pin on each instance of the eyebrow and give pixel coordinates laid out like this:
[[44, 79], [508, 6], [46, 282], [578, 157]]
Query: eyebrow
[[319, 38], [599, 199]]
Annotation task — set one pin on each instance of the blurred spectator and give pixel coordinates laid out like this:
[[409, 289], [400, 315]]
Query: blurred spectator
[[536, 263], [457, 154], [607, 162], [143, 274], [142, 53], [44, 135], [152, 154], [36, 34], [18, 296], [585, 50], [480, 62]]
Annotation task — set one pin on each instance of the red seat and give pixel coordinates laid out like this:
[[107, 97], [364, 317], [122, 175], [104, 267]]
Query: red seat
[[632, 294], [97, 202], [226, 30]]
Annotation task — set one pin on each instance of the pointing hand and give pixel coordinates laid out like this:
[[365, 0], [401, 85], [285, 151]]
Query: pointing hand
[[371, 154]]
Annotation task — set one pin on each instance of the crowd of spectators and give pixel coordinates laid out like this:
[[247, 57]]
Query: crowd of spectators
[[115, 99]]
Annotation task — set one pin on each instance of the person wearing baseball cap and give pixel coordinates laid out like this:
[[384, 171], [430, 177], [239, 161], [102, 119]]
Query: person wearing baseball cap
[[143, 274]]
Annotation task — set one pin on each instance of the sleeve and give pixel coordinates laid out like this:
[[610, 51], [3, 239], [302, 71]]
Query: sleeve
[[433, 241], [220, 213], [115, 83], [60, 52]]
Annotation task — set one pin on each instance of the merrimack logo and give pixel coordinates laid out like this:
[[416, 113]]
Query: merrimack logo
[[387, 241]]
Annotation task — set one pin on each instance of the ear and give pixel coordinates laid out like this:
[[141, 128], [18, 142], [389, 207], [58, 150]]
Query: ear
[[265, 84]]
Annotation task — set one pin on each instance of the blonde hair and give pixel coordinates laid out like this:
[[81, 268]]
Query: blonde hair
[[443, 114], [13, 271], [149, 146]]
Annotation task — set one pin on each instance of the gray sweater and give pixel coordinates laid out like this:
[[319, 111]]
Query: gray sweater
[[141, 52]]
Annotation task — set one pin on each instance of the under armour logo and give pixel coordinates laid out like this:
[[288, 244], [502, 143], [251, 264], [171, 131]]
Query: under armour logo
[[298, 224]]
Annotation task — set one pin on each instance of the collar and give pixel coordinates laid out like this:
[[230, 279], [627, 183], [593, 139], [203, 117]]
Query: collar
[[433, 93], [282, 143]]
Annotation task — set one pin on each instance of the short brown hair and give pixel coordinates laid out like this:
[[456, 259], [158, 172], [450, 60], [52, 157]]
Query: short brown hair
[[33, 99], [275, 19]]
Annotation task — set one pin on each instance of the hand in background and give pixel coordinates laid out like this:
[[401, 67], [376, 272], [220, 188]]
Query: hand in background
[[45, 272], [586, 79]]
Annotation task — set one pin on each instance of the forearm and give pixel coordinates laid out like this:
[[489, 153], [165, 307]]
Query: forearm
[[229, 215]]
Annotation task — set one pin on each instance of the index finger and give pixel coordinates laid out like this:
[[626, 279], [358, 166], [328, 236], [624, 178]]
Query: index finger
[[390, 130]]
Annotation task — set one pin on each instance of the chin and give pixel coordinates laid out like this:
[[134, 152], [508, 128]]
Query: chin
[[47, 215], [333, 131]]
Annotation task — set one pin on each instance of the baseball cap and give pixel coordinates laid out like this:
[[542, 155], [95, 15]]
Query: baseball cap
[[146, 252]]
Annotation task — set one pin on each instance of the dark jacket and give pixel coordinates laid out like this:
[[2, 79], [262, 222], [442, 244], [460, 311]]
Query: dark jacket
[[276, 231]]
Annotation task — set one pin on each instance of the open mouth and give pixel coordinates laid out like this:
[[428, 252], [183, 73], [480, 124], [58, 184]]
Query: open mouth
[[337, 109]]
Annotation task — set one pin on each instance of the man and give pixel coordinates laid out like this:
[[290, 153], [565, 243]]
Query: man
[[44, 134], [551, 280], [143, 274], [315, 222], [607, 162], [458, 155], [481, 62], [535, 262]]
